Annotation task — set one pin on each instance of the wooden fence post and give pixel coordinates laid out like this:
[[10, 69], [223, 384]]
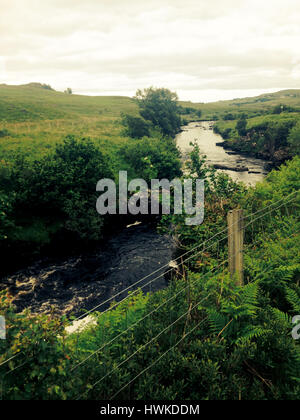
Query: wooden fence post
[[236, 245]]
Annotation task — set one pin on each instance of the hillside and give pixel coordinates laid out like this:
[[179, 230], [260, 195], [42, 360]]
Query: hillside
[[256, 105], [34, 118], [34, 102]]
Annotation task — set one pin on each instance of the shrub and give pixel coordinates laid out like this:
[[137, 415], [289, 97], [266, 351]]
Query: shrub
[[135, 127], [62, 186], [153, 158]]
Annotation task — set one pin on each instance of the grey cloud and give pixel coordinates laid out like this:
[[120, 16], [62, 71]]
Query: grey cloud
[[196, 44]]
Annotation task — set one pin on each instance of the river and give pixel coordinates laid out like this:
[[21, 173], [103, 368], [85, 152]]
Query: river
[[203, 134], [81, 283]]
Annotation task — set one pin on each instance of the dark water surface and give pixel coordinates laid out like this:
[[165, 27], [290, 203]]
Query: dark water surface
[[82, 283]]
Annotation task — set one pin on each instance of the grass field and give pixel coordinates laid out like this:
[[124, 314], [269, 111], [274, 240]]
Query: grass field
[[33, 119], [256, 105]]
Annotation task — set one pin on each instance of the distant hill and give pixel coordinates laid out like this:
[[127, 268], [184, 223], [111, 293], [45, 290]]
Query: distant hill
[[257, 104], [36, 101]]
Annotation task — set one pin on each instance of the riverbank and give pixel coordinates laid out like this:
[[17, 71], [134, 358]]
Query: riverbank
[[239, 149], [266, 137]]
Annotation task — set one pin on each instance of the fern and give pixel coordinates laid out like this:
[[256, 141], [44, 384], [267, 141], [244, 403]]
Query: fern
[[293, 299], [250, 333], [216, 321], [249, 295], [281, 317]]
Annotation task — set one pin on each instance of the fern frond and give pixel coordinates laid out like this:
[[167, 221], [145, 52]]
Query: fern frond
[[249, 295], [251, 333], [216, 321], [293, 299], [281, 317]]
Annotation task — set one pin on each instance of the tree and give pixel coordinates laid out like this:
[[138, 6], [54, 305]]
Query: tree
[[68, 91], [47, 87], [160, 106], [294, 139], [278, 109]]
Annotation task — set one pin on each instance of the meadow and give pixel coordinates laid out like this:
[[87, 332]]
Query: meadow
[[34, 119]]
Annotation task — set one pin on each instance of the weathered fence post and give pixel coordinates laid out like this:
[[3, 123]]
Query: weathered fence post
[[236, 244]]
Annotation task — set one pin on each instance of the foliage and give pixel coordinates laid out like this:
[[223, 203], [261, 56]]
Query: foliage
[[62, 185], [135, 127], [294, 139], [4, 133], [42, 364], [161, 108], [241, 126], [153, 158], [6, 223], [270, 136]]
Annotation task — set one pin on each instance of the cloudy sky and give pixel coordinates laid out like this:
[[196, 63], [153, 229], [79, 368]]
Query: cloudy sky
[[203, 49]]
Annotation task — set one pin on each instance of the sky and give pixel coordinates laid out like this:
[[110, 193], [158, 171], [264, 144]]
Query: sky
[[205, 50]]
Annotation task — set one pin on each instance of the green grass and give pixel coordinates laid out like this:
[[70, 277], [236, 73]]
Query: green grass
[[259, 104], [32, 102], [35, 119], [256, 121]]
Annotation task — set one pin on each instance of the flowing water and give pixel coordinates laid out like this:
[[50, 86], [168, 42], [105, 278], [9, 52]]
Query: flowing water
[[86, 281], [203, 134], [81, 283]]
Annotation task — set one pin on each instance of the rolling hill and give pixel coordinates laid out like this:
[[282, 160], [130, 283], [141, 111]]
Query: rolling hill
[[255, 105]]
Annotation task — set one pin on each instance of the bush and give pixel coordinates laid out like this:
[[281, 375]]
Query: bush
[[62, 186], [153, 158], [135, 127], [4, 133], [241, 126], [42, 362]]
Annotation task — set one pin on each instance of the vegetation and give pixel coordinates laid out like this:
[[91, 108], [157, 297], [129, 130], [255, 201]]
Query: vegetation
[[285, 100], [201, 338], [273, 136], [50, 168], [294, 139], [136, 127], [160, 107], [234, 341], [153, 158]]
